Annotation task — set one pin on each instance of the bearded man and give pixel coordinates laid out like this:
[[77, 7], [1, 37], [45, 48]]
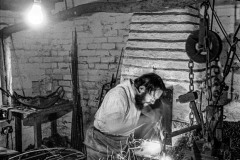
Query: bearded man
[[118, 116]]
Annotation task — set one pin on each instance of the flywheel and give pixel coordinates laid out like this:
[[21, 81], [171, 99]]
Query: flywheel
[[198, 55]]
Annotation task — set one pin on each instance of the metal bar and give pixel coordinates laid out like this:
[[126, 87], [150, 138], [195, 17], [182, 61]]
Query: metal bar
[[195, 111], [77, 133], [184, 130]]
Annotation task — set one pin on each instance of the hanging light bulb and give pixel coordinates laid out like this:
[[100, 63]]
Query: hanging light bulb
[[35, 15]]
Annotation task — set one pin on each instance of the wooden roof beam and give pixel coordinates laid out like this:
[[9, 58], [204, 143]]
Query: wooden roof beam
[[110, 7]]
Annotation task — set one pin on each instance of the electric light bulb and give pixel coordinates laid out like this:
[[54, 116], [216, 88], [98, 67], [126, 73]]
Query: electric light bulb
[[35, 16]]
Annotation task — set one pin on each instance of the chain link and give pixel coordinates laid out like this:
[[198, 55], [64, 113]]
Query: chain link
[[216, 68], [191, 115], [191, 75], [216, 84]]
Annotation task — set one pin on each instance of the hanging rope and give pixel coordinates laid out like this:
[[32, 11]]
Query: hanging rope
[[221, 27], [212, 15]]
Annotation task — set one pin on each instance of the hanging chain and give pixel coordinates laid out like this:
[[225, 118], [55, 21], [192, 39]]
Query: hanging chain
[[216, 81], [191, 75], [191, 89]]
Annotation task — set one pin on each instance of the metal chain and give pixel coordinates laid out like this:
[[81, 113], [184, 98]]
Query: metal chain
[[191, 75], [191, 116], [217, 82], [191, 89]]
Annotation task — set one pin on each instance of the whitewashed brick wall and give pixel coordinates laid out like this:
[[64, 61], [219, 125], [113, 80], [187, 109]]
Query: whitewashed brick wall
[[43, 56], [156, 43]]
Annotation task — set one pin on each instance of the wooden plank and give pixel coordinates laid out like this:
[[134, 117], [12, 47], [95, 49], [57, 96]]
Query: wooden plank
[[181, 75], [166, 17], [161, 36], [138, 44], [156, 63], [177, 55], [29, 116], [47, 115], [164, 27]]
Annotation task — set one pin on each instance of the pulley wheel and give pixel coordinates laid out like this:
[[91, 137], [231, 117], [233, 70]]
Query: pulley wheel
[[199, 56]]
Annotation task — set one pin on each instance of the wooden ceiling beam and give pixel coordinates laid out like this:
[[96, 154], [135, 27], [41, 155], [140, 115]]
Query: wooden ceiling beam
[[121, 7], [22, 5], [110, 7]]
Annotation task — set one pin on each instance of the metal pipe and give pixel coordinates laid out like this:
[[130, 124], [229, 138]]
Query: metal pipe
[[184, 130]]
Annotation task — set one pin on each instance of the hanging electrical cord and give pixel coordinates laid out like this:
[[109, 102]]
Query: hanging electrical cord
[[221, 27], [219, 24], [212, 15]]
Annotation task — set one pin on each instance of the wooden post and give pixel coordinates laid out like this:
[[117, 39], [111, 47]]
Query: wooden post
[[3, 98], [37, 134], [53, 127], [18, 133]]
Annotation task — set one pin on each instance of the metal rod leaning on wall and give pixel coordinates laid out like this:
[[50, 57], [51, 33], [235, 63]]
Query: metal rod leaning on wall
[[119, 63], [77, 134], [110, 84]]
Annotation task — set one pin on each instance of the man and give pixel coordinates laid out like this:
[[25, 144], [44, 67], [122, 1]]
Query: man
[[118, 115]]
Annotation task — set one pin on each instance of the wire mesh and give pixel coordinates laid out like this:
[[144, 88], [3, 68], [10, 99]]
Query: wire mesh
[[50, 154]]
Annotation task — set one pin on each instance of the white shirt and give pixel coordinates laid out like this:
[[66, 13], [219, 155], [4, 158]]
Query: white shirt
[[117, 114]]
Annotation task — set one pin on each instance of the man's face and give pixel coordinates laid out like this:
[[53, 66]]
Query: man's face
[[145, 98]]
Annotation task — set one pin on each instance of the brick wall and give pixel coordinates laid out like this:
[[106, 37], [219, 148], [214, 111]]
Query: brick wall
[[41, 61]]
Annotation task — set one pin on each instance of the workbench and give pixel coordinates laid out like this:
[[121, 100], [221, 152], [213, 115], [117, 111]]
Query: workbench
[[35, 117]]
